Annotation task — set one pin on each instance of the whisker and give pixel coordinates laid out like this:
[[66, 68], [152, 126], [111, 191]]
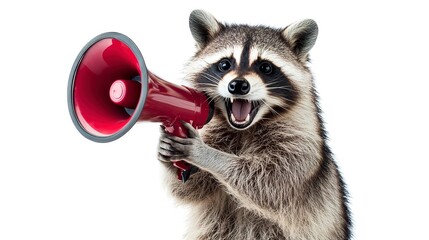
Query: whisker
[[270, 108], [211, 78]]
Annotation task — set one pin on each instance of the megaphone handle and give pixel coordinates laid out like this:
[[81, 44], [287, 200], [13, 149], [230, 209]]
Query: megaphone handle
[[184, 169]]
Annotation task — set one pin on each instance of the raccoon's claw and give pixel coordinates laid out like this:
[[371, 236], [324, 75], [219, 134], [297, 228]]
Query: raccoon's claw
[[167, 152], [172, 148], [163, 158]]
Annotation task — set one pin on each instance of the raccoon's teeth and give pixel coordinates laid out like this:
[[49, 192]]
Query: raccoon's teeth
[[232, 100], [233, 118]]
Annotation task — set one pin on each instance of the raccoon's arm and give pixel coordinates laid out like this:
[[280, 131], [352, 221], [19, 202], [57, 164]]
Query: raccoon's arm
[[263, 182]]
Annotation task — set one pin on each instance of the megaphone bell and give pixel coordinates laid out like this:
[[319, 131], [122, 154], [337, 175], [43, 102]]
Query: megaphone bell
[[110, 89]]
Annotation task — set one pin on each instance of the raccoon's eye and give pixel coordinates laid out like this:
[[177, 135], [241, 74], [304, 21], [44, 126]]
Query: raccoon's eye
[[266, 68], [224, 65]]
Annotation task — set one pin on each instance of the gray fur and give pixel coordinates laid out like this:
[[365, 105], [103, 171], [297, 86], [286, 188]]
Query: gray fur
[[276, 178], [203, 27], [301, 37]]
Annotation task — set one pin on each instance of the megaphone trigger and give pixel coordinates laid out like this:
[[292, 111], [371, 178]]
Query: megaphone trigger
[[183, 170]]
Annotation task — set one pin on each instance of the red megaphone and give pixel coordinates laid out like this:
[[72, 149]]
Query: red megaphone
[[110, 89]]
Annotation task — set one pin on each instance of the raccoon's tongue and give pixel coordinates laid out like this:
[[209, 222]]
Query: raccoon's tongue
[[240, 109]]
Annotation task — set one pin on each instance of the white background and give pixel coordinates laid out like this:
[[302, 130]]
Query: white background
[[370, 64]]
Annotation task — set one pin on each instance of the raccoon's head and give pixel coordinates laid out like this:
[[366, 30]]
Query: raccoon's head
[[250, 72]]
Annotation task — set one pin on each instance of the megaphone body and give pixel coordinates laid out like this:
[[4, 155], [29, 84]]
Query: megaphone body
[[110, 89]]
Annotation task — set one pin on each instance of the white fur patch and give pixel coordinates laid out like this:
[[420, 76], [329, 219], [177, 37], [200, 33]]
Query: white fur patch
[[253, 55], [258, 90], [237, 54], [199, 64]]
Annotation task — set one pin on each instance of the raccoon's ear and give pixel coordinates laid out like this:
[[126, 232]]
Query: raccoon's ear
[[203, 27], [301, 37]]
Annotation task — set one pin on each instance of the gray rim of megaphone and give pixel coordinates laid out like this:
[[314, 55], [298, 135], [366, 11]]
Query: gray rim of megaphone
[[144, 81]]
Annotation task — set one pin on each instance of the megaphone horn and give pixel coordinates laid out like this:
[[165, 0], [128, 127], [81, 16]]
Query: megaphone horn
[[110, 89]]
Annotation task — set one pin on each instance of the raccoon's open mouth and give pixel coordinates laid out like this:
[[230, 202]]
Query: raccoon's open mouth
[[241, 112]]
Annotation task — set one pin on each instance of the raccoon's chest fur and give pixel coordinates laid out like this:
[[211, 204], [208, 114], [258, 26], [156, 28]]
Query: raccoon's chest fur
[[222, 218]]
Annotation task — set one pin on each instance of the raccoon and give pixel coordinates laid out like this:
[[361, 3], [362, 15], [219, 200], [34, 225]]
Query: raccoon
[[266, 171]]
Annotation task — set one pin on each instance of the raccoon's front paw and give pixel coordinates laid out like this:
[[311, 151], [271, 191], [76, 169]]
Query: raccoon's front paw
[[172, 148], [166, 153]]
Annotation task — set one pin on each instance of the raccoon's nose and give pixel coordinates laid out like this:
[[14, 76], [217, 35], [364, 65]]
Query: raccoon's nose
[[239, 87]]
